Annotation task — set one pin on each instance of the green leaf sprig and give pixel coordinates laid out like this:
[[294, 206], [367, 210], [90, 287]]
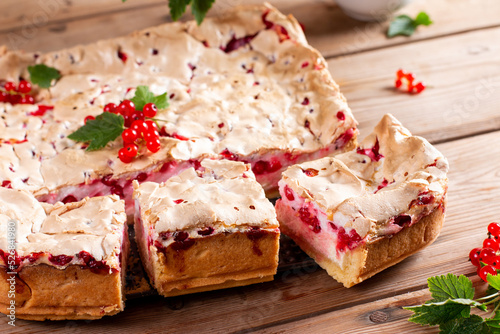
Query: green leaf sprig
[[199, 8], [107, 126], [405, 25], [451, 304], [43, 75]]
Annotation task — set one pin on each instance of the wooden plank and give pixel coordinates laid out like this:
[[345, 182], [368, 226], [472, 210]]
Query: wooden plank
[[327, 27], [15, 15], [381, 316], [335, 34], [78, 23], [463, 81], [309, 291]]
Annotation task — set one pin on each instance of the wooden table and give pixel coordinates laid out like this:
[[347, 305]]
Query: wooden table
[[458, 57]]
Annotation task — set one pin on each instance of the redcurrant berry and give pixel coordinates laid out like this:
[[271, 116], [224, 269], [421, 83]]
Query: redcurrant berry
[[4, 97], [484, 271], [89, 118], [487, 255], [419, 87], [400, 74], [110, 107], [496, 262], [24, 87], [125, 107], [410, 77], [494, 229], [151, 135], [122, 154], [140, 127], [10, 86], [398, 83], [153, 145], [129, 136], [150, 110], [474, 256], [491, 243], [27, 99], [14, 99], [131, 150], [151, 125], [137, 115]]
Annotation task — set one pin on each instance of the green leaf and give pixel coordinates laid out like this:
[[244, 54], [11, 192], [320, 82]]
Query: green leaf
[[472, 325], [422, 19], [494, 281], [43, 75], [405, 25], [144, 96], [199, 8], [177, 8], [401, 25], [105, 128], [441, 312], [494, 322], [450, 287]]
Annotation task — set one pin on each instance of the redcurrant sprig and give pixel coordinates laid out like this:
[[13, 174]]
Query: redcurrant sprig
[[487, 258], [138, 129], [409, 78], [17, 95]]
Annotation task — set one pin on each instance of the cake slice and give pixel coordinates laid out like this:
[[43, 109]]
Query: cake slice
[[206, 229], [363, 211], [246, 74], [62, 261]]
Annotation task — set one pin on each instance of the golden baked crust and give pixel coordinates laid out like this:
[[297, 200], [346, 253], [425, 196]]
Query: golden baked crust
[[45, 292], [214, 262], [378, 254]]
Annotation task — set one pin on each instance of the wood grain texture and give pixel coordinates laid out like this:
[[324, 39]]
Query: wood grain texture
[[463, 78], [309, 291]]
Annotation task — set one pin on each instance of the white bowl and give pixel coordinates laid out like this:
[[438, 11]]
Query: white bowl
[[370, 10]]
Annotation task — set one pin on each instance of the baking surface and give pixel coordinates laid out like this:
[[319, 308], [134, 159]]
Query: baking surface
[[458, 59]]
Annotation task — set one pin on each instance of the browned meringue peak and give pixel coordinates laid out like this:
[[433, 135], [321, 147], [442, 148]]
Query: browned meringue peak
[[350, 187], [264, 91], [94, 225], [224, 195]]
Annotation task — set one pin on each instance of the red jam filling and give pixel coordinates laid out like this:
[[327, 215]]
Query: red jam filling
[[97, 267], [60, 260], [254, 234], [346, 241], [372, 153], [289, 193], [207, 231], [310, 219]]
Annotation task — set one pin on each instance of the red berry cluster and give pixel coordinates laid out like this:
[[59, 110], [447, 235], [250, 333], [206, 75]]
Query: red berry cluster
[[139, 130], [411, 86], [489, 254], [17, 95]]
